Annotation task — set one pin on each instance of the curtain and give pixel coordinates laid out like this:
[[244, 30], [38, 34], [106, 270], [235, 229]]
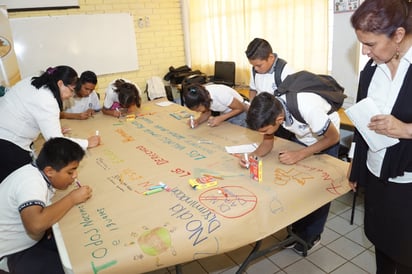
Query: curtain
[[220, 30]]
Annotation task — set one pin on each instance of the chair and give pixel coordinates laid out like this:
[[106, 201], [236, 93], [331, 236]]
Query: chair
[[225, 72]]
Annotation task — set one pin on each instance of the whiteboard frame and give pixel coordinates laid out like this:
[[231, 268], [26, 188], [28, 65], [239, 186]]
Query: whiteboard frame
[[23, 5]]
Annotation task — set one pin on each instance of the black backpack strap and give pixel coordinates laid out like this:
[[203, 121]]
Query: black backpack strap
[[279, 65], [292, 104]]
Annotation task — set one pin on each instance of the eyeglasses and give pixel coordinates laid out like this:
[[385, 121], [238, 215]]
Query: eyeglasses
[[70, 88]]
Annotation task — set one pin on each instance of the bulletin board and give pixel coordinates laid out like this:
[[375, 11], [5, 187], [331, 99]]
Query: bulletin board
[[103, 43]]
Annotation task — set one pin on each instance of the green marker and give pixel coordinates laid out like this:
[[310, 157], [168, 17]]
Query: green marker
[[153, 191]]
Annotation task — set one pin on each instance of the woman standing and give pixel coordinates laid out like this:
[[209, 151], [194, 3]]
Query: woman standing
[[31, 107], [384, 29]]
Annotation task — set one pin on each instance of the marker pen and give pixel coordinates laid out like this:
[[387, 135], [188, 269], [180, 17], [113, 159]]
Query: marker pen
[[156, 187], [246, 160], [153, 191], [192, 121]]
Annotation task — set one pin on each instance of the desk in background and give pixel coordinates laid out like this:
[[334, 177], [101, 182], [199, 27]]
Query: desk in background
[[121, 230]]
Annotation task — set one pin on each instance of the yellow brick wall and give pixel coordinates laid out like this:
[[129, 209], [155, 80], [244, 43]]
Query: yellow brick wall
[[159, 45]]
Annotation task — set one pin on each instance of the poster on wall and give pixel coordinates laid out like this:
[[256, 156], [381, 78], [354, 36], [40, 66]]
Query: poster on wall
[[9, 69], [345, 5], [15, 5]]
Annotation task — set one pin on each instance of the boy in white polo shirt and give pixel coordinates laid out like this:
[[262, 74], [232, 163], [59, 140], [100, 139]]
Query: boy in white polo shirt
[[320, 134], [26, 212]]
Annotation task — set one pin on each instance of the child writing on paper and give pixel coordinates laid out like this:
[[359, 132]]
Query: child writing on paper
[[27, 213], [122, 97], [33, 106], [85, 101], [215, 97], [320, 134]]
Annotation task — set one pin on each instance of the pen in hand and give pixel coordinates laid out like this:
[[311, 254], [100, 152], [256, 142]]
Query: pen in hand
[[78, 183], [246, 160]]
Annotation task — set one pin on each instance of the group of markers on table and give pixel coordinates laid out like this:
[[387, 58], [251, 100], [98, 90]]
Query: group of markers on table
[[253, 164]]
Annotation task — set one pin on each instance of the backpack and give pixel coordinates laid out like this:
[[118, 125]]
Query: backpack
[[279, 65], [155, 88], [176, 75], [304, 81]]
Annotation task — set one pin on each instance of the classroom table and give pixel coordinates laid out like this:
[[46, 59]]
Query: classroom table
[[122, 230]]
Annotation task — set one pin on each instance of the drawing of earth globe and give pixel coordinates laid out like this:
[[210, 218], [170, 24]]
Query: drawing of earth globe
[[156, 241], [5, 46]]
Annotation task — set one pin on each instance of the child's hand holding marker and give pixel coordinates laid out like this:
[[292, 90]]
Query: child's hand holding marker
[[244, 161], [81, 194], [192, 122]]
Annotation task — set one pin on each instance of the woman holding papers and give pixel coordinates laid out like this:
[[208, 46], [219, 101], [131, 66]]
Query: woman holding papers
[[384, 28], [31, 107]]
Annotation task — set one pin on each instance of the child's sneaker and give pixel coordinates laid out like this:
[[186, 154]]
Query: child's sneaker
[[299, 248], [290, 245]]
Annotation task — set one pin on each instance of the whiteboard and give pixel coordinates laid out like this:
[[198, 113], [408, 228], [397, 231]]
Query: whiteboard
[[30, 4], [103, 43]]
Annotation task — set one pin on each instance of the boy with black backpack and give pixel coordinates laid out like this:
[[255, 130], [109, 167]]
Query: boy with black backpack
[[268, 70], [319, 133]]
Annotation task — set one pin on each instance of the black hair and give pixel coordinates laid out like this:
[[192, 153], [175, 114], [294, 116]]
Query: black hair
[[258, 49], [58, 153], [128, 93], [195, 95], [263, 111], [86, 77], [51, 76]]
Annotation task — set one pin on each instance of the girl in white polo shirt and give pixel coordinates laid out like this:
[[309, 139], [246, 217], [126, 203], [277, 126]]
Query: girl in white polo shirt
[[31, 107]]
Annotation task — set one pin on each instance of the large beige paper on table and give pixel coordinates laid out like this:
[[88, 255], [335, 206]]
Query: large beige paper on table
[[121, 230]]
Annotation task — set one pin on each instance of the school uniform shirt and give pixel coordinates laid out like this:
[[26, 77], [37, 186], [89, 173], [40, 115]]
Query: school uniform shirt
[[111, 97], [82, 104], [314, 109], [222, 96], [23, 188], [26, 111], [265, 82]]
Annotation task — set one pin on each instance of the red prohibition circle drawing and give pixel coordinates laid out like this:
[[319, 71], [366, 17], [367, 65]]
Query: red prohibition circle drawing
[[229, 201]]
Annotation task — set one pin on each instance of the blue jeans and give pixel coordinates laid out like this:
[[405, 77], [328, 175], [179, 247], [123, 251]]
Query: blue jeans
[[42, 258], [239, 119], [311, 226]]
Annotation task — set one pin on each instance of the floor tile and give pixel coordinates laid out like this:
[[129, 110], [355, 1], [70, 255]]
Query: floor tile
[[357, 216], [349, 268], [338, 207], [262, 266], [326, 259], [340, 225], [359, 237], [303, 267], [285, 257], [217, 264], [328, 236], [346, 248], [240, 254], [366, 261]]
